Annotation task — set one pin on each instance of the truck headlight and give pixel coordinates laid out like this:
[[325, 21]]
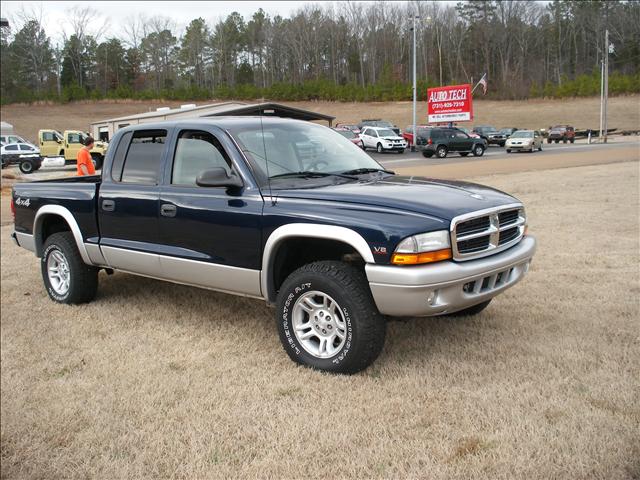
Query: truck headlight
[[423, 248]]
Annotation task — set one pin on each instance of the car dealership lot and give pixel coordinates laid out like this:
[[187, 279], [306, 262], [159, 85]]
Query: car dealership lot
[[164, 380]]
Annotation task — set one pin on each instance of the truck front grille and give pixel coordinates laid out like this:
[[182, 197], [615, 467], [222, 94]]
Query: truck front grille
[[486, 232]]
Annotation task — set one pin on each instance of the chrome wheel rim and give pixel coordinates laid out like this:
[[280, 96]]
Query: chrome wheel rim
[[58, 272], [319, 325]]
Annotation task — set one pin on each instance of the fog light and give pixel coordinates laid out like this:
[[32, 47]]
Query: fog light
[[432, 297]]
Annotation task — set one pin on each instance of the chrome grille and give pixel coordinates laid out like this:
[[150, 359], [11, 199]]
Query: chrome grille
[[486, 232]]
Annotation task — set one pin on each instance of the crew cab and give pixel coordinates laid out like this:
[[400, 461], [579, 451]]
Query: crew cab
[[53, 143], [281, 210], [382, 139]]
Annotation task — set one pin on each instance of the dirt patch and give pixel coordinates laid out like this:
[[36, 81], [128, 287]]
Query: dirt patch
[[159, 380], [580, 112]]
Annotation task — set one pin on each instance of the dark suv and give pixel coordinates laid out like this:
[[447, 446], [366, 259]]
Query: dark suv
[[442, 141], [491, 135]]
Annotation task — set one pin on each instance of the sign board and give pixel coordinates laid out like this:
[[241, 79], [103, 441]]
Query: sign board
[[450, 104]]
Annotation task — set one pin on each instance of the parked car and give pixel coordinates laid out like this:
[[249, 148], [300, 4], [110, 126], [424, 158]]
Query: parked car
[[6, 139], [355, 139], [330, 238], [382, 139], [408, 132], [25, 155], [376, 122], [349, 126], [442, 141], [566, 133], [528, 140], [491, 135], [508, 131]]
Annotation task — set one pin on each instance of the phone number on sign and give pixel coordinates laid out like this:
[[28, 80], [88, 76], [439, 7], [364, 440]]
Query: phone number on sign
[[447, 105]]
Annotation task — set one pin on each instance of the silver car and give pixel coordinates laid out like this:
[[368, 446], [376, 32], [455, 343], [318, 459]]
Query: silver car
[[524, 140]]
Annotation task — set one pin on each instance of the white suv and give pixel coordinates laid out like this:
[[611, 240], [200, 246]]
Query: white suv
[[382, 139]]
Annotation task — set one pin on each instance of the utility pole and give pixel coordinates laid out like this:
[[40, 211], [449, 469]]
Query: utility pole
[[415, 92], [606, 82], [601, 99]]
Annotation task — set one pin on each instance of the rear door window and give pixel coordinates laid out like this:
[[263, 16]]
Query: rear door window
[[144, 155]]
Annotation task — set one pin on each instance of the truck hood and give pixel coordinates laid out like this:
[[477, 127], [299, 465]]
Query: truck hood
[[444, 199]]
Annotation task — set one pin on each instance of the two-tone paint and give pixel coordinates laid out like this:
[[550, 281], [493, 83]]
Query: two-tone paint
[[227, 239]]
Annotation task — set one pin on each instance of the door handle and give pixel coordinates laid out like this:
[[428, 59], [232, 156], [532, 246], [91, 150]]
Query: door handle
[[168, 210], [108, 205]]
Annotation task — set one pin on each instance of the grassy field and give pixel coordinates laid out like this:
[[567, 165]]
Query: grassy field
[[157, 380], [580, 112]]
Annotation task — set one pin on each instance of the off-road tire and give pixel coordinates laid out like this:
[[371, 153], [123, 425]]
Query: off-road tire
[[379, 148], [474, 310], [83, 283], [478, 151], [365, 326]]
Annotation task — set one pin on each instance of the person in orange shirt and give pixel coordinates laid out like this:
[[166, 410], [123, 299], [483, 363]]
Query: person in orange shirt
[[84, 162]]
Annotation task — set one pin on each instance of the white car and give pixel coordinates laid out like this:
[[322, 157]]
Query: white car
[[524, 140], [382, 139], [23, 154]]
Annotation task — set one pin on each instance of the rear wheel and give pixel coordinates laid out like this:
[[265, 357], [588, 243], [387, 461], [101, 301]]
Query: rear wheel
[[441, 151], [478, 151], [66, 277], [26, 167], [327, 318]]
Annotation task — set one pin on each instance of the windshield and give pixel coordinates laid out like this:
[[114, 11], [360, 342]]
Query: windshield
[[346, 133], [293, 147], [385, 132], [522, 134]]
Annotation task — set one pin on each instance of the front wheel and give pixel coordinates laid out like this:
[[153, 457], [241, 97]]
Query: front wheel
[[379, 148], [401, 151], [478, 151], [66, 277], [327, 318], [508, 150]]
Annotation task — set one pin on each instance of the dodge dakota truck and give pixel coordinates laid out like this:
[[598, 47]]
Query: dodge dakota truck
[[281, 210]]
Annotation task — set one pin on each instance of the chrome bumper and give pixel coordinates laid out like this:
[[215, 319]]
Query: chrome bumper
[[446, 287]]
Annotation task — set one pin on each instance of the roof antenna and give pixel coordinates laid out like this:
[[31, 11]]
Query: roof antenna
[[266, 160]]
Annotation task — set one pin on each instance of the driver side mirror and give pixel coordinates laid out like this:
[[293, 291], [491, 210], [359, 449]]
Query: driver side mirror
[[218, 177]]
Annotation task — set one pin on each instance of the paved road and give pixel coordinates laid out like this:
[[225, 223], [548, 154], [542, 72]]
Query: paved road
[[410, 159]]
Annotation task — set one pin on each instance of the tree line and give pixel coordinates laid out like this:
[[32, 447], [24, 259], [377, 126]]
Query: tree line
[[348, 51]]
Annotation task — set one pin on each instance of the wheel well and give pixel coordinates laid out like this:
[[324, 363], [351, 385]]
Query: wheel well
[[294, 252], [49, 225]]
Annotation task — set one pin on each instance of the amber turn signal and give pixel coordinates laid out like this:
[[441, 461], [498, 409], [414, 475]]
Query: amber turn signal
[[418, 258]]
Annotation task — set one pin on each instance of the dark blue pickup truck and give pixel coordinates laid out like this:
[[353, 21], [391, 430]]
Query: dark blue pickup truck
[[281, 210]]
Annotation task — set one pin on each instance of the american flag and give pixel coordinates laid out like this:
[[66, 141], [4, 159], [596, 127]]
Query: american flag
[[483, 82]]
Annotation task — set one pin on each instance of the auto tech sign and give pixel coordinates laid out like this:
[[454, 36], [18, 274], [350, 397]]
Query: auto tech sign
[[450, 104]]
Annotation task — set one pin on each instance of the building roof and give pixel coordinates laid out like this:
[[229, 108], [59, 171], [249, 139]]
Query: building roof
[[227, 108]]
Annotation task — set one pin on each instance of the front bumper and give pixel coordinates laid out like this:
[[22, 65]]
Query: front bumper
[[518, 146], [445, 287]]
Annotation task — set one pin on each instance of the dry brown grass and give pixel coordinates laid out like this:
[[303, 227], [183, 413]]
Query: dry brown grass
[[159, 380], [580, 112]]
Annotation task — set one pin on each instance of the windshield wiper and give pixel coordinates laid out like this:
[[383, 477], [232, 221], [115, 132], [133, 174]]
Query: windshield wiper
[[360, 171], [311, 174]]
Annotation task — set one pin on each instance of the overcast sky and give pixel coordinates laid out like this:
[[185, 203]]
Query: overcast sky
[[182, 12]]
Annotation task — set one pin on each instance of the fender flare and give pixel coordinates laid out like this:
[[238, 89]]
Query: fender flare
[[310, 230], [67, 216]]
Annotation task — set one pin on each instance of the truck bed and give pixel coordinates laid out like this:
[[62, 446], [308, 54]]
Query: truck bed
[[76, 194]]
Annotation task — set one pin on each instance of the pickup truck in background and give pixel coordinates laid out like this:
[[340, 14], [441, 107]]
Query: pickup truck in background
[[53, 143], [281, 210]]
